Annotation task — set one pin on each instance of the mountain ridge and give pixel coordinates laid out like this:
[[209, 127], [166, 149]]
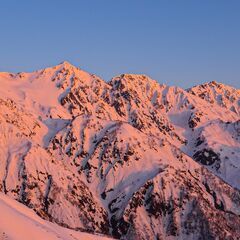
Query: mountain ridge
[[130, 158], [66, 64]]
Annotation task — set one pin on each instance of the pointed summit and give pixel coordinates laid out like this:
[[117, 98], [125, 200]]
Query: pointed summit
[[66, 64]]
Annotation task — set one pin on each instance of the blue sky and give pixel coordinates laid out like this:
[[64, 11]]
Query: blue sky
[[177, 42]]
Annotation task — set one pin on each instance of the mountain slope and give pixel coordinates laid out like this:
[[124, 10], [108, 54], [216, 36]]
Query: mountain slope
[[130, 158], [17, 222]]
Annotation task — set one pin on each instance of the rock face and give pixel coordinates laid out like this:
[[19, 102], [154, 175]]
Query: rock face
[[131, 158]]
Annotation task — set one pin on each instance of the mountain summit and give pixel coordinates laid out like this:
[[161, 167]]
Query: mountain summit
[[130, 158]]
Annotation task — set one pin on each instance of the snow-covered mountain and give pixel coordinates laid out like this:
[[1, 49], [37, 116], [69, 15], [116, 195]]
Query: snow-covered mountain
[[130, 158]]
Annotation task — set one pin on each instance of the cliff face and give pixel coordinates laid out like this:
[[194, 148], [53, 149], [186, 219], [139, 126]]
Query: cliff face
[[130, 158]]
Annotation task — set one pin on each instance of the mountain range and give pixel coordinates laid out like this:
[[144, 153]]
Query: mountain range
[[130, 158]]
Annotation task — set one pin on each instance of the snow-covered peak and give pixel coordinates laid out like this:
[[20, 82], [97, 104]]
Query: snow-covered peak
[[133, 81], [63, 64], [66, 64], [218, 93], [43, 91]]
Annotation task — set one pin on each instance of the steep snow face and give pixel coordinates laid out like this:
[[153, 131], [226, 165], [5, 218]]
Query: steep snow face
[[142, 103], [30, 174], [18, 222], [149, 187], [217, 146], [220, 94], [130, 158]]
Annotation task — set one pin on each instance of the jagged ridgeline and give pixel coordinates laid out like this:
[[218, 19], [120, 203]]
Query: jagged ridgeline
[[130, 158]]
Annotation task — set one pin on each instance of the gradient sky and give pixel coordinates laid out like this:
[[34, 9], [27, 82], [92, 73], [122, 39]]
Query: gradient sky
[[177, 42]]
